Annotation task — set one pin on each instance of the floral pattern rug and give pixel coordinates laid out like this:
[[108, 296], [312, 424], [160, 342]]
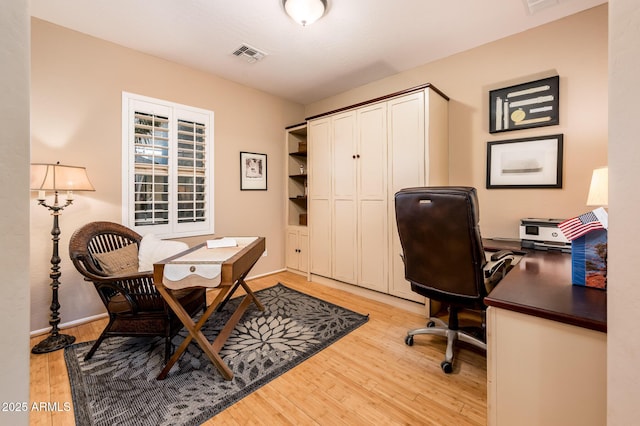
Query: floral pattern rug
[[118, 385]]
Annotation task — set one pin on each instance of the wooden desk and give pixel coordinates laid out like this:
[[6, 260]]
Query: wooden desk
[[546, 346], [233, 271]]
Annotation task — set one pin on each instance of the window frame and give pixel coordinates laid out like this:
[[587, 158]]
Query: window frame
[[132, 103]]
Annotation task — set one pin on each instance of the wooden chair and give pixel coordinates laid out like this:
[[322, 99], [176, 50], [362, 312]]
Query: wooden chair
[[134, 305]]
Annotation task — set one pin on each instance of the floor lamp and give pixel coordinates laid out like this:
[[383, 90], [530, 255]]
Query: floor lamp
[[55, 178]]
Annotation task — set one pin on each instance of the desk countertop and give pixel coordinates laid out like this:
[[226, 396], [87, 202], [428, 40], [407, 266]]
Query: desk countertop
[[540, 285]]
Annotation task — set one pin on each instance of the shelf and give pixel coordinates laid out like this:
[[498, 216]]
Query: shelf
[[299, 154], [299, 200], [301, 177]]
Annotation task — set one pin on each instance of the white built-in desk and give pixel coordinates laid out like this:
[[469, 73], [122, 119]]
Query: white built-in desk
[[546, 346]]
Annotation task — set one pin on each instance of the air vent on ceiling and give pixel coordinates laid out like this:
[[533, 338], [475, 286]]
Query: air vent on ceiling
[[534, 6], [250, 54]]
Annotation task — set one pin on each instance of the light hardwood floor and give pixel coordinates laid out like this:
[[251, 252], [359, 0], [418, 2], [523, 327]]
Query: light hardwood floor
[[369, 377]]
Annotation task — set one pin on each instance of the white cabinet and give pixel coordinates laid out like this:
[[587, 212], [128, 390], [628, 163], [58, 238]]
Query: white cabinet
[[543, 372], [358, 159], [371, 198], [320, 197], [343, 213], [297, 255], [418, 156], [359, 215]]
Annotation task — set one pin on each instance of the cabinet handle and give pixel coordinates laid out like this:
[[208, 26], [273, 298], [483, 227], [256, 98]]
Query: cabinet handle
[[353, 156], [358, 156]]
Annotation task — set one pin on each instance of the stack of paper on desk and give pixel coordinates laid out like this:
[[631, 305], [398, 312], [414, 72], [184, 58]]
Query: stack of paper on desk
[[222, 242]]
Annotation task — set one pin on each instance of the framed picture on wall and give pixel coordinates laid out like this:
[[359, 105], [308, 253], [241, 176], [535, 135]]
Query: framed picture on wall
[[525, 163], [533, 104], [253, 171]]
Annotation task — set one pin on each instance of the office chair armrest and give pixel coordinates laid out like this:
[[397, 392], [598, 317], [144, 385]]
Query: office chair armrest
[[500, 254], [501, 265]]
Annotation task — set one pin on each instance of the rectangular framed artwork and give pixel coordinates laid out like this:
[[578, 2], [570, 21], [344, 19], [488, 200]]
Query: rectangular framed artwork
[[533, 104], [253, 171], [525, 163]]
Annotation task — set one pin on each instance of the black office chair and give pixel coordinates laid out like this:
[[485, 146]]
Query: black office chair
[[444, 258]]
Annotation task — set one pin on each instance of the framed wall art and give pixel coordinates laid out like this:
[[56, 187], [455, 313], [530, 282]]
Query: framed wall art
[[253, 171], [525, 163], [533, 104]]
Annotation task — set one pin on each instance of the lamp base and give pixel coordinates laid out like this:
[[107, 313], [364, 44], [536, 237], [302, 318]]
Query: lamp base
[[53, 343]]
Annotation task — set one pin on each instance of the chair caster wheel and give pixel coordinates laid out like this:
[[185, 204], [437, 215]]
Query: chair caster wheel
[[409, 340], [446, 367], [431, 324]]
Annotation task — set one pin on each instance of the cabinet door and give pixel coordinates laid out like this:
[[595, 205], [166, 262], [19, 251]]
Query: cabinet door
[[344, 197], [563, 384], [297, 249], [320, 172], [406, 130], [303, 251], [292, 250], [371, 160]]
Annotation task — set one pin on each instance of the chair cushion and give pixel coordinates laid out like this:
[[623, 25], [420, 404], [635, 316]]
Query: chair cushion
[[153, 249], [119, 305], [120, 261]]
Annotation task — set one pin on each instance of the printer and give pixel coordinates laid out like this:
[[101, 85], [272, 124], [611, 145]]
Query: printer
[[543, 234]]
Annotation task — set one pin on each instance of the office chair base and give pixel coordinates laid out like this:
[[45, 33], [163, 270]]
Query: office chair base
[[452, 336]]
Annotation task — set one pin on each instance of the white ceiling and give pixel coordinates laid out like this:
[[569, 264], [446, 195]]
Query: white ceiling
[[356, 42]]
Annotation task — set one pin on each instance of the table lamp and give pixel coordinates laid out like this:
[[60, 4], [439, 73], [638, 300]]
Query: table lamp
[[55, 178], [599, 189]]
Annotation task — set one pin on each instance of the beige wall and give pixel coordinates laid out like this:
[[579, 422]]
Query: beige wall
[[623, 348], [14, 199], [575, 48], [77, 83]]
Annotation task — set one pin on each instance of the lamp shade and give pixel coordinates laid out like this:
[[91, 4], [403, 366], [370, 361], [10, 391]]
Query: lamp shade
[[57, 177], [305, 12], [599, 189]]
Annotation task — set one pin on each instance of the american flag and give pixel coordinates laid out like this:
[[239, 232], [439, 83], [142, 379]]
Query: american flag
[[578, 226]]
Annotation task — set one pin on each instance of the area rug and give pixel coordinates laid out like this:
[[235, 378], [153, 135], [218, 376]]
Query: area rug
[[118, 385]]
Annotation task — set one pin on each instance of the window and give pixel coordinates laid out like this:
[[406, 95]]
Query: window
[[167, 155]]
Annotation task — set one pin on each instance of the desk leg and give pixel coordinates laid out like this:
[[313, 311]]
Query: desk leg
[[224, 334], [229, 296], [221, 338], [210, 349], [194, 333], [250, 293], [245, 286]]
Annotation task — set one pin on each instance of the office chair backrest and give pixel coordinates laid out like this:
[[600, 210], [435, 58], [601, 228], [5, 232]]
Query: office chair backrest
[[441, 241]]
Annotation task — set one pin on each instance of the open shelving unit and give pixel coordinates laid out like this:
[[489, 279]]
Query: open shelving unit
[[297, 239], [297, 175]]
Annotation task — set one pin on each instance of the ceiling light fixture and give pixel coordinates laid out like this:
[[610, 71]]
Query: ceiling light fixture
[[305, 12]]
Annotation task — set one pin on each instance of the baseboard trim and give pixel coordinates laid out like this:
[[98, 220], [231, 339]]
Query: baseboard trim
[[70, 324], [407, 305]]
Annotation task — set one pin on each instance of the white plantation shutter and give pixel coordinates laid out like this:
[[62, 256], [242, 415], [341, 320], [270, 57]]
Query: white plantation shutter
[[168, 163], [191, 175], [151, 169]]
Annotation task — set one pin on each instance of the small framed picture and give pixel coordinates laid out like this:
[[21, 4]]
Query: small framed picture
[[525, 163], [533, 104], [253, 171]]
